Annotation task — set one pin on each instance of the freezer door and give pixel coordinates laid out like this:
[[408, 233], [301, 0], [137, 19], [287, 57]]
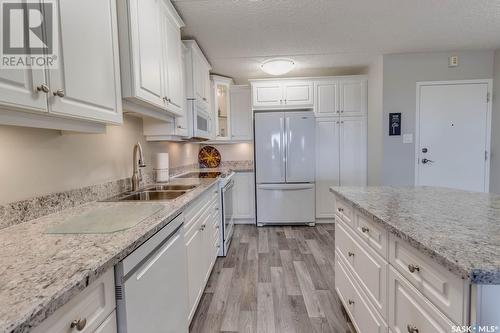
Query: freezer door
[[300, 147], [285, 203], [269, 147]]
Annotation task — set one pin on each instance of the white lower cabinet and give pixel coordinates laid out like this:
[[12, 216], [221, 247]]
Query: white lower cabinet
[[410, 311], [244, 197], [87, 311], [109, 325], [202, 239], [377, 272]]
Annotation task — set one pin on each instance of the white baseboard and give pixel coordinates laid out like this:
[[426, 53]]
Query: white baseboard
[[244, 221], [320, 221]]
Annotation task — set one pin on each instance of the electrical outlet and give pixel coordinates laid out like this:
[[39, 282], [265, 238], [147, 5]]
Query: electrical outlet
[[453, 61]]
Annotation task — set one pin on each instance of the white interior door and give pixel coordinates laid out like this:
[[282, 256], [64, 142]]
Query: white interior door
[[300, 144], [327, 164], [270, 147], [353, 151], [453, 135]]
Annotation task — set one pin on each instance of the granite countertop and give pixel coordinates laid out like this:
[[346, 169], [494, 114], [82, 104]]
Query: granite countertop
[[40, 272], [458, 229]]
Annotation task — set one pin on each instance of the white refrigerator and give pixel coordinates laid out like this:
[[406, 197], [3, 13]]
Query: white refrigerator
[[284, 160]]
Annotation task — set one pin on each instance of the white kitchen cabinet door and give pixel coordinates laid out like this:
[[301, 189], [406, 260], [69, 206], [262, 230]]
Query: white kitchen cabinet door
[[195, 268], [18, 89], [353, 97], [201, 79], [244, 196], [267, 94], [241, 113], [146, 52], [298, 93], [327, 98], [327, 165], [87, 83], [353, 151], [109, 325], [172, 74]]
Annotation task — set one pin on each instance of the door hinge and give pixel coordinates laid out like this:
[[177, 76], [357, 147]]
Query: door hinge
[[488, 97], [485, 155]]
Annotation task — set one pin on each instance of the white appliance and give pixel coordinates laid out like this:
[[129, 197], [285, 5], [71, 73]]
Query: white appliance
[[202, 123], [151, 284], [226, 185], [284, 159]]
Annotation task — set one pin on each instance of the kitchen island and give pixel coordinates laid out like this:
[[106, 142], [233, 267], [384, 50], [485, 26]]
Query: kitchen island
[[418, 258]]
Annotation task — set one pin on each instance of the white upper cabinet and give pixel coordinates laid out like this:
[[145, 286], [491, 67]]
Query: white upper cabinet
[[83, 92], [327, 98], [18, 89], [241, 113], [282, 94], [221, 111], [197, 74], [87, 83], [150, 56], [353, 97]]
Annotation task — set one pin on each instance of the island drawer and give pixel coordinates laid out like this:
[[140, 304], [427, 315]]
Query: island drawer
[[344, 210], [88, 309], [365, 264], [365, 318], [375, 235], [410, 311], [444, 289]]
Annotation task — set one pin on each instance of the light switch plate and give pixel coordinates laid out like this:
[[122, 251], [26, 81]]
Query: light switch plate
[[408, 138]]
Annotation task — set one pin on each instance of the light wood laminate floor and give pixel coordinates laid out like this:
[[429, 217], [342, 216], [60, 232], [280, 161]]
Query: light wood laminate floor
[[274, 279]]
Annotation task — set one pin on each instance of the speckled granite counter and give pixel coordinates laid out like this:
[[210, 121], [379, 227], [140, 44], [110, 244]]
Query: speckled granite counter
[[458, 229], [40, 272]]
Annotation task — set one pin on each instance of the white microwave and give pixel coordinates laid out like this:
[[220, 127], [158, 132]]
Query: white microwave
[[202, 123]]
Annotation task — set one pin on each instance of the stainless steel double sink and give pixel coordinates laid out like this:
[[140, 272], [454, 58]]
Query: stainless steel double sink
[[154, 193]]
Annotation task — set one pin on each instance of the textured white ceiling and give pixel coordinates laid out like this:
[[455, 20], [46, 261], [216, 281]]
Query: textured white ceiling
[[325, 35]]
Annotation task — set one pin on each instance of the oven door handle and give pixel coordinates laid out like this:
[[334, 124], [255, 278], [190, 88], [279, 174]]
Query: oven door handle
[[228, 186]]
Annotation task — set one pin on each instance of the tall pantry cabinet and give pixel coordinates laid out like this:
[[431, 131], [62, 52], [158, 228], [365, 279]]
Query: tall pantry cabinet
[[341, 138]]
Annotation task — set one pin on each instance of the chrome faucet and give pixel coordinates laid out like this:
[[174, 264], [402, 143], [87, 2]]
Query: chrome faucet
[[137, 175]]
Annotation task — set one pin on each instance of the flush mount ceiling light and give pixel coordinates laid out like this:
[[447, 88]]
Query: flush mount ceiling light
[[277, 66]]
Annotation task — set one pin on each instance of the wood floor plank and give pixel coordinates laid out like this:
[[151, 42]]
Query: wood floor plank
[[274, 279], [265, 308]]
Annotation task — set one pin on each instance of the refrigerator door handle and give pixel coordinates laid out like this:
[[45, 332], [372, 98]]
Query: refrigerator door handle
[[287, 144], [283, 147], [290, 187]]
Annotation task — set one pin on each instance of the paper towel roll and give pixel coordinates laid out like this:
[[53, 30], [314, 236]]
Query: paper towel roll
[[161, 161]]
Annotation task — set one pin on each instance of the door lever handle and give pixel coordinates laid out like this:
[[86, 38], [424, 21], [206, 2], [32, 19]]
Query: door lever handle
[[425, 161]]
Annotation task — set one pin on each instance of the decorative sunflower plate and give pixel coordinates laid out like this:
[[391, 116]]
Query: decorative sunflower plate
[[209, 157]]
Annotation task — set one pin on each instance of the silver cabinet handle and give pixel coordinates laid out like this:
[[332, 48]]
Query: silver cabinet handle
[[43, 88], [351, 302], [412, 329], [365, 229], [413, 268], [78, 324], [351, 254], [59, 93]]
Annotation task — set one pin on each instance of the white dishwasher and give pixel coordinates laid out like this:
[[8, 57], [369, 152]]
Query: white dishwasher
[[151, 284]]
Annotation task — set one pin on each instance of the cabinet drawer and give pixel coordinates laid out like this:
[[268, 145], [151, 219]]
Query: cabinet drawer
[[344, 211], [366, 265], [408, 308], [93, 304], [444, 289], [364, 317], [375, 235]]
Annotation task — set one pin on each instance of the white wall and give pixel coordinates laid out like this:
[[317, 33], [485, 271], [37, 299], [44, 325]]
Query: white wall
[[495, 129], [235, 152], [375, 125], [38, 161], [401, 74]]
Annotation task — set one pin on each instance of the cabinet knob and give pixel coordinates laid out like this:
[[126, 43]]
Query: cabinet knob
[[281, 101], [285, 101], [365, 229], [217, 226], [351, 302], [43, 88], [351, 254], [413, 268], [204, 99], [78, 324], [412, 329], [59, 93], [341, 111], [340, 209], [203, 227], [338, 111]]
